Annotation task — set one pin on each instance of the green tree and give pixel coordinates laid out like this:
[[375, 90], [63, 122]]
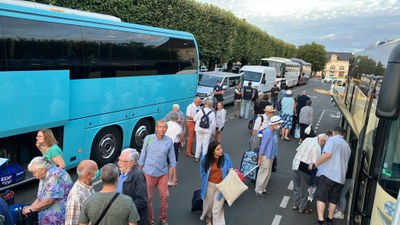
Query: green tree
[[313, 53]]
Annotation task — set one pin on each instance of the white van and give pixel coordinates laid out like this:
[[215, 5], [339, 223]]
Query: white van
[[258, 74], [208, 80]]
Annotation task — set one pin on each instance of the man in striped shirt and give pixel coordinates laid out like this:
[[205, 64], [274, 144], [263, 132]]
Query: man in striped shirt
[[82, 189]]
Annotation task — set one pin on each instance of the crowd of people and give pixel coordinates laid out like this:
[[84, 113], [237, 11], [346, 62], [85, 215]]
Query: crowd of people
[[128, 187]]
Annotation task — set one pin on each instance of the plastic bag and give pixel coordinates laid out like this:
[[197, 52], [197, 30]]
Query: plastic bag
[[308, 130], [297, 132]]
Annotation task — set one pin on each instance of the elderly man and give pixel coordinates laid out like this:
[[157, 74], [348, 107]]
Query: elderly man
[[308, 153], [157, 148], [121, 210], [190, 113], [203, 135], [260, 124], [82, 189], [132, 182], [331, 175]]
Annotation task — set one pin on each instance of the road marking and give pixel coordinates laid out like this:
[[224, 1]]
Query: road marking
[[291, 185], [284, 202], [277, 220]]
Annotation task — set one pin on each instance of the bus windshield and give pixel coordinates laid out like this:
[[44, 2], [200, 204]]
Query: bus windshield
[[251, 76], [390, 174], [207, 80]]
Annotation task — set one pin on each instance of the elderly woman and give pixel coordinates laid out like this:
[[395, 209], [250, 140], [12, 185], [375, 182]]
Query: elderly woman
[[181, 120], [288, 110], [54, 186], [47, 145]]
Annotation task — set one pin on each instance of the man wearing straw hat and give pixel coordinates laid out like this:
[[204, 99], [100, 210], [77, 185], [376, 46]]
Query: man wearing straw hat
[[260, 124]]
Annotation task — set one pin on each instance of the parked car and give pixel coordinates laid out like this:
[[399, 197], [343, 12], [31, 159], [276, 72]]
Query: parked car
[[208, 80], [329, 79]]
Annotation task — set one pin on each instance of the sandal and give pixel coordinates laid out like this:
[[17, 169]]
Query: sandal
[[305, 211], [196, 159], [151, 223], [286, 139], [295, 207]]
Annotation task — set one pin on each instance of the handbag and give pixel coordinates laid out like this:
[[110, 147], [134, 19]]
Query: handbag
[[297, 132], [231, 187], [308, 130], [106, 209]]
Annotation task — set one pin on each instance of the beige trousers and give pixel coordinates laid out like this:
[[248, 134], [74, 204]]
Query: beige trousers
[[264, 173], [213, 210]]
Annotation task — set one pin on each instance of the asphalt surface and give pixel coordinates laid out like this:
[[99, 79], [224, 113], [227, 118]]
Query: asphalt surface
[[248, 209]]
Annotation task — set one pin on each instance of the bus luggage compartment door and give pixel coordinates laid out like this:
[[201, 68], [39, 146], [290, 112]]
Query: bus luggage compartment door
[[31, 100]]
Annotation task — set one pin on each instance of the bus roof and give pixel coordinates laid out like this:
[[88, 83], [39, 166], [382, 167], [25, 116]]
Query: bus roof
[[300, 61], [13, 8], [281, 60]]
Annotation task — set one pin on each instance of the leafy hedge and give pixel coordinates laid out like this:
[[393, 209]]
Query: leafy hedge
[[220, 35]]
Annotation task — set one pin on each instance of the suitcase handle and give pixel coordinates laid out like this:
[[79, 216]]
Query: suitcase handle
[[244, 175]]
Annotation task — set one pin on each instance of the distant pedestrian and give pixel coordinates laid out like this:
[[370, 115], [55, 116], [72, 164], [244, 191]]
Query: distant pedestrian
[[132, 182], [214, 166], [301, 102], [122, 210], [288, 110], [331, 175], [181, 116], [218, 93], [191, 111], [157, 148], [237, 99], [247, 96], [82, 189], [220, 121], [308, 153], [266, 155], [259, 104], [274, 96], [47, 145], [306, 119], [203, 135]]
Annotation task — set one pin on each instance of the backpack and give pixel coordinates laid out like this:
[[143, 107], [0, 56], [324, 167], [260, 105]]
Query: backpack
[[205, 119]]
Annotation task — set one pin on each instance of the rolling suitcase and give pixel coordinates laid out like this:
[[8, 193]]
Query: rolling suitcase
[[248, 162], [197, 202]]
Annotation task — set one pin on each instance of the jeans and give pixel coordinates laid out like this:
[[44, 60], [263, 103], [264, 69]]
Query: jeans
[[345, 189], [245, 108], [300, 189]]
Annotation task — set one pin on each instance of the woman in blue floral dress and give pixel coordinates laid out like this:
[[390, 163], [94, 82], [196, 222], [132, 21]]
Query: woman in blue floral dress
[[54, 186]]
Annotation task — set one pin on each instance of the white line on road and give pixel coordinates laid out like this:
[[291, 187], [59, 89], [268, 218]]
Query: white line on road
[[284, 202], [277, 220], [291, 185]]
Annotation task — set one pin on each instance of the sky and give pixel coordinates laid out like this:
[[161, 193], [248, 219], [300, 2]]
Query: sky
[[339, 25]]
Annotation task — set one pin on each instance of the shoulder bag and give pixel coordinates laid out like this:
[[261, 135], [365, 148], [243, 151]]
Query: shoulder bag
[[106, 209]]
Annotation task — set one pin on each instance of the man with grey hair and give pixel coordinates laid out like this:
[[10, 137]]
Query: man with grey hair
[[121, 211], [157, 148], [308, 153], [132, 182], [203, 135], [82, 189]]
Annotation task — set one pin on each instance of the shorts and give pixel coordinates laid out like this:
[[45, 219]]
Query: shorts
[[328, 190]]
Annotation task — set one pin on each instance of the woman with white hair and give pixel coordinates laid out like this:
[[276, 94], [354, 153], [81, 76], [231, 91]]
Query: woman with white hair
[[54, 187], [181, 120]]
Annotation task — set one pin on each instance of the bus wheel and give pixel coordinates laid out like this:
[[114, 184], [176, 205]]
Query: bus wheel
[[106, 146], [141, 130]]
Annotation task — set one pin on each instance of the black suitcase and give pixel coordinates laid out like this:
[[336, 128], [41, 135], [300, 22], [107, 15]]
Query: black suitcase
[[197, 202], [248, 162]]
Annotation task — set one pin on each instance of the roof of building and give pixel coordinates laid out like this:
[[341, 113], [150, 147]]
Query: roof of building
[[342, 56]]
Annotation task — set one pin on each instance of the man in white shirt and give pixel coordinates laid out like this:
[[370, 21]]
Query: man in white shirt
[[203, 135], [260, 124], [190, 113]]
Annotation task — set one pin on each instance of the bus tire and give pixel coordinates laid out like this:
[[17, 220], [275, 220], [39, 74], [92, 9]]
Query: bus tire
[[141, 130], [106, 146]]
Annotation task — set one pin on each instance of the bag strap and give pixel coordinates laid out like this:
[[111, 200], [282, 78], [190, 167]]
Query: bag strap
[[204, 113], [106, 209]]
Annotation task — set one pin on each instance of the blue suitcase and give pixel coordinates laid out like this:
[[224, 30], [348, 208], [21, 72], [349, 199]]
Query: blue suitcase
[[248, 162]]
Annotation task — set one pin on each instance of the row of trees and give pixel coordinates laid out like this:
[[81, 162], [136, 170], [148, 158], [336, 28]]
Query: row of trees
[[220, 35]]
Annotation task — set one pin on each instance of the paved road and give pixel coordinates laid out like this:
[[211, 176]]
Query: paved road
[[274, 209]]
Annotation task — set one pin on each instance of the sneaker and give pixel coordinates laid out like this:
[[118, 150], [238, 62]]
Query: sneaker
[[262, 194], [338, 215]]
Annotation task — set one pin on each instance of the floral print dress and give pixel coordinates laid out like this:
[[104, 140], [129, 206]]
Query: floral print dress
[[56, 185]]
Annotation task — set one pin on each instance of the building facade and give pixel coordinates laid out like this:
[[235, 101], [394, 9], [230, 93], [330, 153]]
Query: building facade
[[338, 64]]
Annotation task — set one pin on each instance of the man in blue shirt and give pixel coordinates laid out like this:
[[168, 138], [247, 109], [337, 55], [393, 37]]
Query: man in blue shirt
[[266, 155], [331, 175], [157, 148]]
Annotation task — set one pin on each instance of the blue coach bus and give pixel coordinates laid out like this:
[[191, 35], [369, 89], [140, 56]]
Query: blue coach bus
[[100, 84]]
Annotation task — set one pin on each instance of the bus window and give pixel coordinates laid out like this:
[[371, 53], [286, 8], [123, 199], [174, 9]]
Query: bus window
[[37, 45]]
